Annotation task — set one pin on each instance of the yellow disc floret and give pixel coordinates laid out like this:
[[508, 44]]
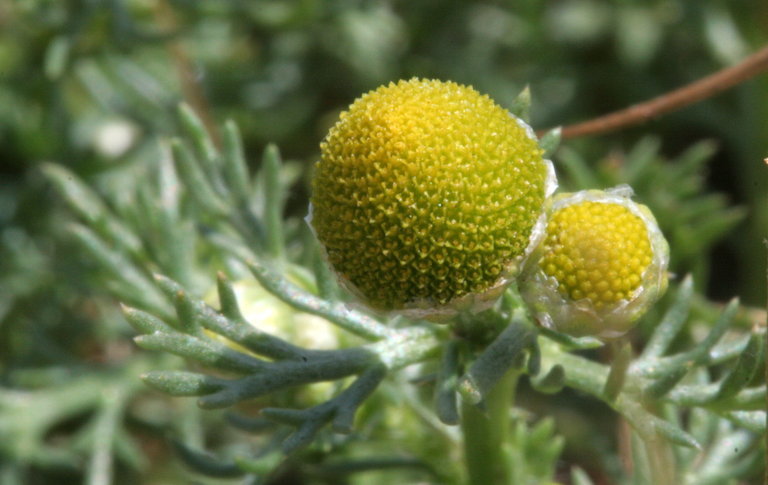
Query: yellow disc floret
[[426, 192], [596, 250]]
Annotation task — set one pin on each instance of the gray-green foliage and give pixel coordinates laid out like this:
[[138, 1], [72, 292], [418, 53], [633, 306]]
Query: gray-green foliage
[[99, 223], [206, 205]]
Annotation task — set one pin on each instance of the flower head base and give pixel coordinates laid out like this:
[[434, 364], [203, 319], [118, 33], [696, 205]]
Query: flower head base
[[602, 263], [427, 197]]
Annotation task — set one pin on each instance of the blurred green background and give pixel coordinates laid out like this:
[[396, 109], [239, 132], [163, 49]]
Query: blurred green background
[[93, 85]]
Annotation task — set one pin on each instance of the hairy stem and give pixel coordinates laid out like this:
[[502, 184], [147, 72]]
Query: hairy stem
[[487, 434]]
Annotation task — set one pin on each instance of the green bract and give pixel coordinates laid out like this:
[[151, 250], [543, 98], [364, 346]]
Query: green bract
[[427, 196]]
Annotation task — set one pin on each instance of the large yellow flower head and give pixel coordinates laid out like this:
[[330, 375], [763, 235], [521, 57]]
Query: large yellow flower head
[[428, 196], [602, 263]]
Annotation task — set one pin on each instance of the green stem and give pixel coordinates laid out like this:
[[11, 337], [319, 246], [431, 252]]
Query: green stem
[[621, 357], [487, 434]]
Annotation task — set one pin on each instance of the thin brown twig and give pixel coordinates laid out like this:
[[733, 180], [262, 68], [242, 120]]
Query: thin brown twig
[[679, 98]]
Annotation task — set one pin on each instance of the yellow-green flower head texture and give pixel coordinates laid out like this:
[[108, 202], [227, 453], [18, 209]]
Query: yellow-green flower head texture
[[602, 263], [428, 196]]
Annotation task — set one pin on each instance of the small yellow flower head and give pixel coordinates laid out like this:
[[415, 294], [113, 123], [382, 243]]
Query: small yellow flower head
[[602, 263], [428, 196]]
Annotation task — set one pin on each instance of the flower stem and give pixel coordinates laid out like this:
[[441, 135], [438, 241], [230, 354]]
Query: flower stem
[[487, 434]]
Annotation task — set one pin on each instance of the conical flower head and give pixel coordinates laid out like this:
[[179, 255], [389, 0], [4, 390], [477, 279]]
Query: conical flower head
[[602, 263], [427, 196]]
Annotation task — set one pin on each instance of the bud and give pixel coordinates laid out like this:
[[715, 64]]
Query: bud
[[428, 196], [602, 263]]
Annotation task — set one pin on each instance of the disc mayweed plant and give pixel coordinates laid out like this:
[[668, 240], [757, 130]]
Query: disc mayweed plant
[[429, 201]]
